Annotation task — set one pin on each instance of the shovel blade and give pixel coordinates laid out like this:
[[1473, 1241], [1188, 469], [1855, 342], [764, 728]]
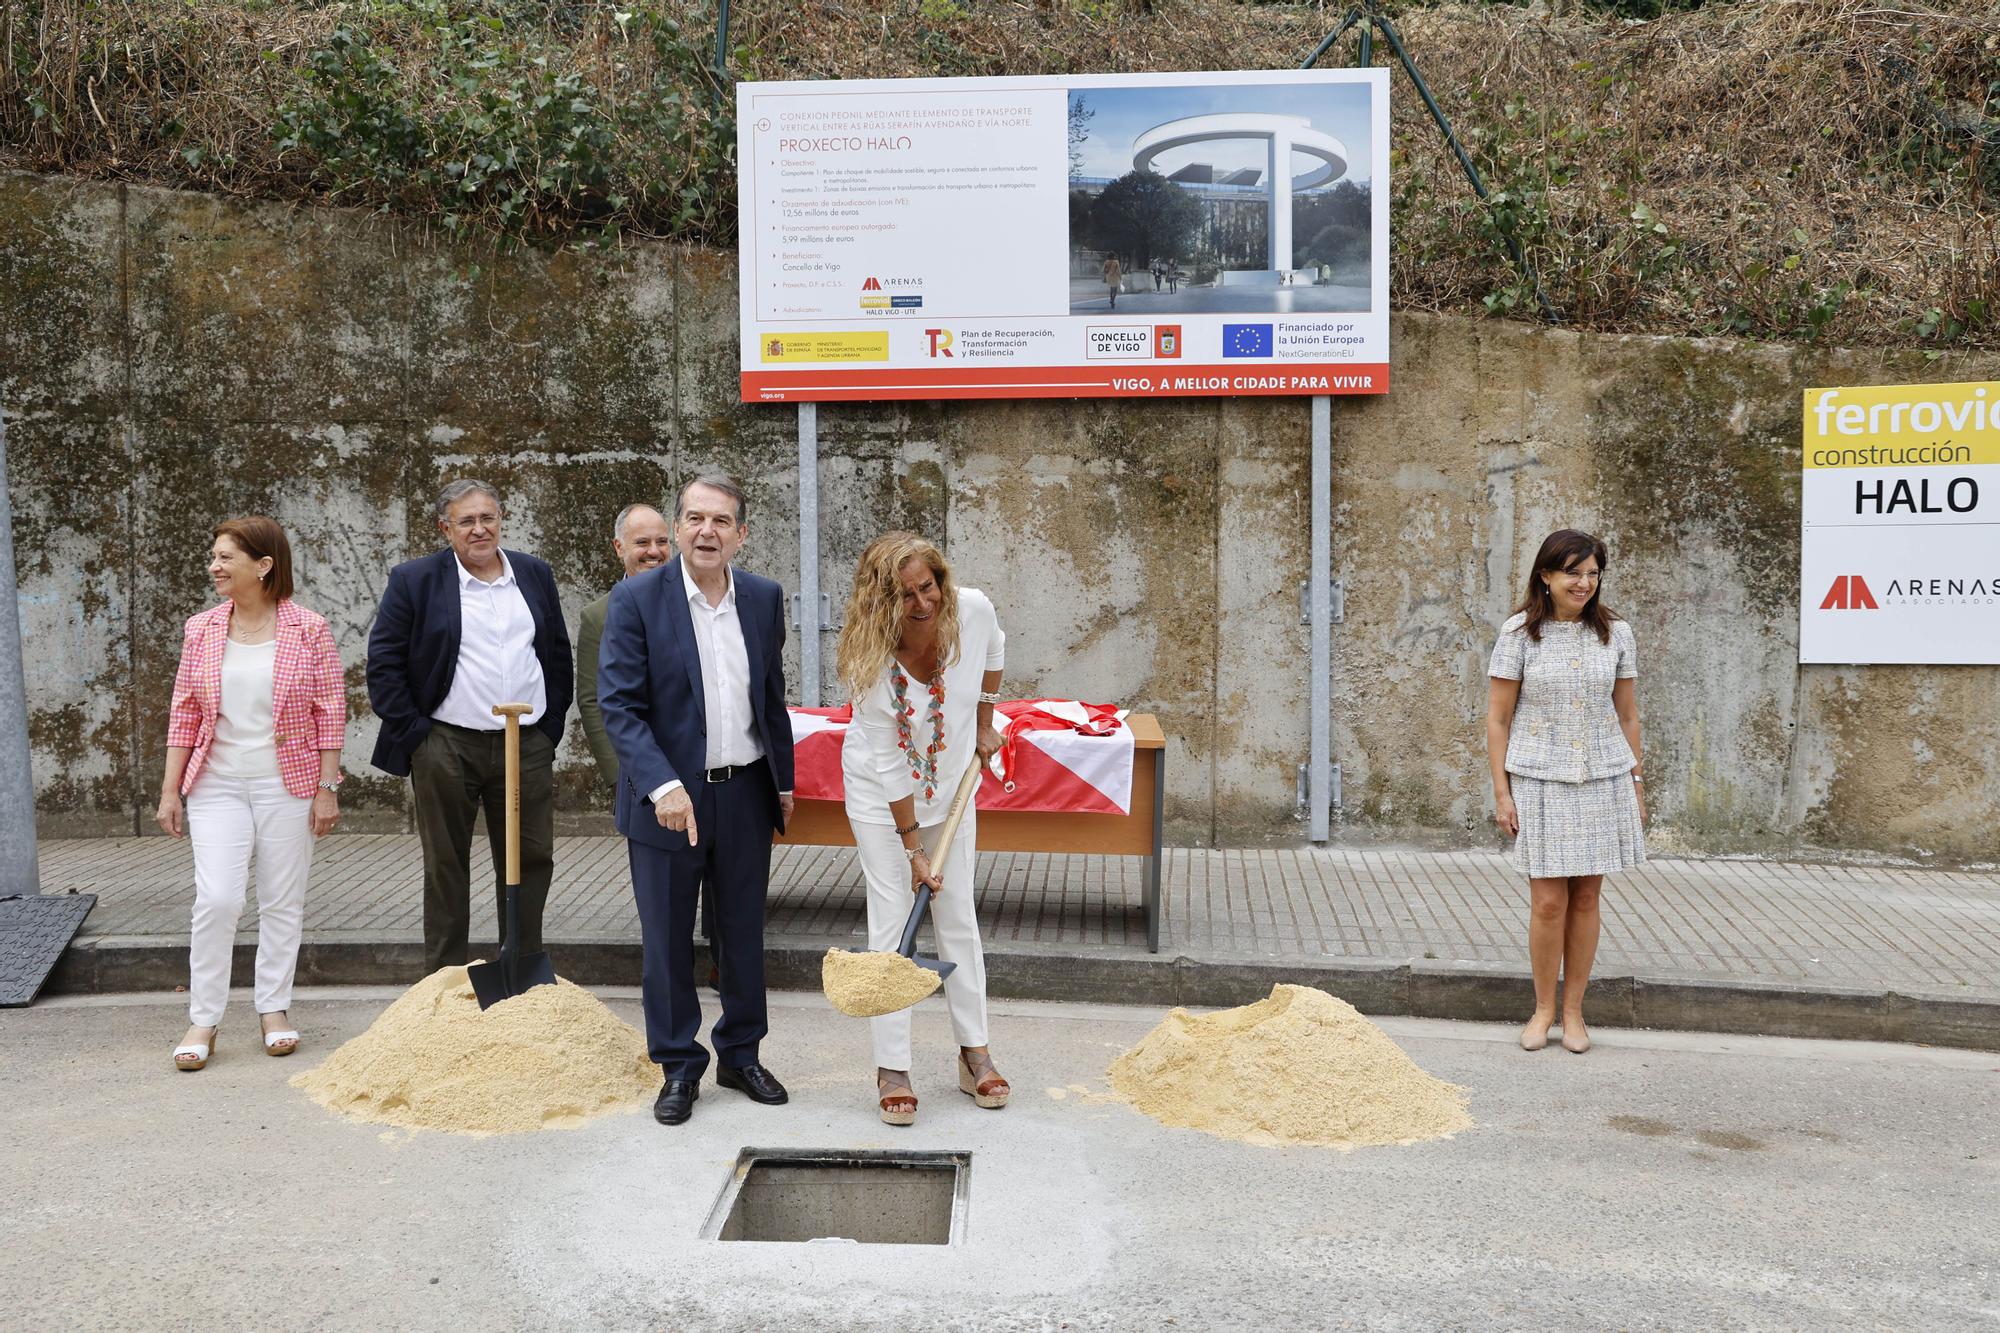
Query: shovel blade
[[489, 981], [931, 964]]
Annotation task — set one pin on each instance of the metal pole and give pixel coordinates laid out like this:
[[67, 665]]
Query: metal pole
[[808, 597], [1353, 17], [722, 51], [18, 872], [1465, 162], [1319, 593]]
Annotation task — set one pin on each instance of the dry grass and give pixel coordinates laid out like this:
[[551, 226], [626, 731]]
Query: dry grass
[[1776, 168]]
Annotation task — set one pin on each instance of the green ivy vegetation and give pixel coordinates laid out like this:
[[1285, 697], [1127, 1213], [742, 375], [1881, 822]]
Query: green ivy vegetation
[[494, 129], [1796, 169]]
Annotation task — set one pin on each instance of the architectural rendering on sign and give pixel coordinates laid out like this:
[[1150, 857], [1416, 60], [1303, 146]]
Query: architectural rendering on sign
[[1240, 200]]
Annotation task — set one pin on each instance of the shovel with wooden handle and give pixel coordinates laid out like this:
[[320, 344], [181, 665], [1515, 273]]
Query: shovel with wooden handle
[[515, 972], [959, 801]]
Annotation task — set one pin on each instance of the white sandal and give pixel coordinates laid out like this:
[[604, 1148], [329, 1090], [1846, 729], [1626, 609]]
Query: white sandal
[[281, 1042], [194, 1056]]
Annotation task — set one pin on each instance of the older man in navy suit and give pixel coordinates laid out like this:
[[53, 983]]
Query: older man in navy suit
[[458, 632], [691, 684]]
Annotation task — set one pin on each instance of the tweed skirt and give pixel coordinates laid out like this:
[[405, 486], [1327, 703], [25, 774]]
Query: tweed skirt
[[1577, 828]]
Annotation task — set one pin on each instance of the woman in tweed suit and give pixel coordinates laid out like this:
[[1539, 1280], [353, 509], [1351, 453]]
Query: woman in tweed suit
[[1562, 738], [253, 744]]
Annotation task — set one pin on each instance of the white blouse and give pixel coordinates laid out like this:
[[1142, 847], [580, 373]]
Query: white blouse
[[246, 743], [875, 765]]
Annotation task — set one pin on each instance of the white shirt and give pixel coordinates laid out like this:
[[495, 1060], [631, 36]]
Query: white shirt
[[496, 653], [875, 769], [725, 679], [245, 737]]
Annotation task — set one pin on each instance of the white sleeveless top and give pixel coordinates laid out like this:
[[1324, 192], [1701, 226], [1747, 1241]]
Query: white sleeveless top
[[874, 765], [245, 737]]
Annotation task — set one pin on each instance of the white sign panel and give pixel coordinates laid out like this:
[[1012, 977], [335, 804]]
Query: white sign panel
[[1900, 553], [1081, 236]]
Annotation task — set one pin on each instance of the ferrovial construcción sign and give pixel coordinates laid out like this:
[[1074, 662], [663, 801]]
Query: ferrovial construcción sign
[[1900, 553], [1062, 237]]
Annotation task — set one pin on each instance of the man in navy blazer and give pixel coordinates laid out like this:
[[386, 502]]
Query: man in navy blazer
[[458, 632], [691, 685]]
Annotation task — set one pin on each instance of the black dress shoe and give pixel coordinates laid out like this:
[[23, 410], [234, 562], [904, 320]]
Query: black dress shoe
[[754, 1082], [676, 1101]]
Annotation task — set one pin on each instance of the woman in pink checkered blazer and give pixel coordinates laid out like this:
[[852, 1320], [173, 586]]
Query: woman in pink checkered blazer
[[259, 716]]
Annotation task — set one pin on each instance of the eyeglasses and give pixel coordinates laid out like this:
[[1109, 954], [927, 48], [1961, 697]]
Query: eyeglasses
[[1582, 575]]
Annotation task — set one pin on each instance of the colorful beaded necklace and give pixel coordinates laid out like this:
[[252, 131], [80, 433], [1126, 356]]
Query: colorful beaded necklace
[[923, 767]]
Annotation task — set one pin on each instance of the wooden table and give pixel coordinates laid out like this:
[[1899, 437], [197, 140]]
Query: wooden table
[[824, 823]]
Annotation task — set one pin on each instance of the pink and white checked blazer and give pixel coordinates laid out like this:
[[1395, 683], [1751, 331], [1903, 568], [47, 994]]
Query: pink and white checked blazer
[[308, 703]]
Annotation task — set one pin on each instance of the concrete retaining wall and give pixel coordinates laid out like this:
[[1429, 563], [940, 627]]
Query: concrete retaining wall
[[169, 359]]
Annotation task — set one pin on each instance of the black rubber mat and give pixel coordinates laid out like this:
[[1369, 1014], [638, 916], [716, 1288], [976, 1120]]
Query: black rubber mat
[[34, 930]]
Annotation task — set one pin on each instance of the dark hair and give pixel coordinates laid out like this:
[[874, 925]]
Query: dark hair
[[1560, 550], [259, 537], [715, 481]]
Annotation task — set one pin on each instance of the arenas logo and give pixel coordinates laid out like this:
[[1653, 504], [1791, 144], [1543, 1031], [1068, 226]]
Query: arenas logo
[[1850, 592]]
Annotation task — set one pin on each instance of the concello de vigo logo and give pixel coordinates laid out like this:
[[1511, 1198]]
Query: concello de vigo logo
[[1849, 593]]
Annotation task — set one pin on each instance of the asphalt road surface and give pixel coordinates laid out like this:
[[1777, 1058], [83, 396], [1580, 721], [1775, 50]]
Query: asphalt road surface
[[1663, 1181]]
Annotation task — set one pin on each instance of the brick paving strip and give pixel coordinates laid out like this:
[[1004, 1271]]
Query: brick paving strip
[[1891, 952]]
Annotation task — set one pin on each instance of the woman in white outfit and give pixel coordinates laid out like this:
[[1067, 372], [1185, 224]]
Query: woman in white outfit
[[253, 745], [921, 659], [1562, 739]]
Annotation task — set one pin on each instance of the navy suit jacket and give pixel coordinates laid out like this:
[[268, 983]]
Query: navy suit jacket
[[650, 692], [413, 651]]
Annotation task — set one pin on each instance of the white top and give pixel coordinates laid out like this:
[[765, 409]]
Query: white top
[[246, 743], [874, 766], [1565, 725], [725, 679], [496, 653]]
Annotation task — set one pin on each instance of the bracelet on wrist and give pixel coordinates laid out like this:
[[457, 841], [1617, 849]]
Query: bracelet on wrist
[[902, 832], [912, 853], [987, 698]]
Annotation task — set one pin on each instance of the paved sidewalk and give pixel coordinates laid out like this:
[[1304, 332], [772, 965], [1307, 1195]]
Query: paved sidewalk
[[1801, 934]]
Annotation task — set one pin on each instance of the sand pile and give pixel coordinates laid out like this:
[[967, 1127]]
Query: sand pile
[[862, 985], [1297, 1067], [552, 1056]]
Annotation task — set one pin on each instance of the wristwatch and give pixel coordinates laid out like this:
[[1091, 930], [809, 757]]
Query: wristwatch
[[332, 787]]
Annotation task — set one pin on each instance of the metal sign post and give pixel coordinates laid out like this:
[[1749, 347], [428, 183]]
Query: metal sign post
[[18, 872], [810, 619], [1319, 594]]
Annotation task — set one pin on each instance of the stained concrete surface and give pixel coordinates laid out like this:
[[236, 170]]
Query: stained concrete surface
[[1660, 1182], [168, 359]]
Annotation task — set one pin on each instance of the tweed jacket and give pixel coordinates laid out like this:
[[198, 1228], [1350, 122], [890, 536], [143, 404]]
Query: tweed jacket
[[1565, 725], [589, 635], [309, 695]]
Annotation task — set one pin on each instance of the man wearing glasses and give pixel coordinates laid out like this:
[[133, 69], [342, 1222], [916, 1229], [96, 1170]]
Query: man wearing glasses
[[458, 632]]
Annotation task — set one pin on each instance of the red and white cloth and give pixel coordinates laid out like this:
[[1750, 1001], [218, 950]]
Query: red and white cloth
[[1059, 755]]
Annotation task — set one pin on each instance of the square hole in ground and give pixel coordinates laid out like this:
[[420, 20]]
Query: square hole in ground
[[868, 1196]]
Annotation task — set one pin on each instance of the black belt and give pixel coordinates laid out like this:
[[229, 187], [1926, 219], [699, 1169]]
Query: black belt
[[713, 776]]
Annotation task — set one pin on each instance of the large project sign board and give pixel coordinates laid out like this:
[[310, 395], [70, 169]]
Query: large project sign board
[[1899, 557], [1145, 235]]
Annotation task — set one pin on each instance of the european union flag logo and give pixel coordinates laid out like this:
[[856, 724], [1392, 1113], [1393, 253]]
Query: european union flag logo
[[1246, 339]]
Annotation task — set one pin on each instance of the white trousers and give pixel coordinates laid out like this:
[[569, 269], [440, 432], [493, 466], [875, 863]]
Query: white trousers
[[953, 922], [229, 820]]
